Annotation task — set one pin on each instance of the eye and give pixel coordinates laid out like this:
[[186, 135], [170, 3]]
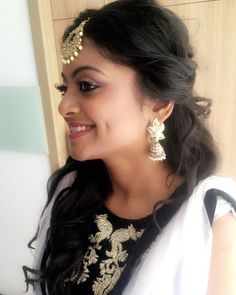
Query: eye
[[86, 86], [61, 88]]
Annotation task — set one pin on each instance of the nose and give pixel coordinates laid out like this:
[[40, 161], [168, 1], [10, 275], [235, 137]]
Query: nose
[[69, 105]]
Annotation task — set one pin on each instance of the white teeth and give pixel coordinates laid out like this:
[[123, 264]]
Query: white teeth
[[80, 128]]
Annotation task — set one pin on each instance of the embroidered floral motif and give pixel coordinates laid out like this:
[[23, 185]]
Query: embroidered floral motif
[[112, 266], [110, 269], [105, 230]]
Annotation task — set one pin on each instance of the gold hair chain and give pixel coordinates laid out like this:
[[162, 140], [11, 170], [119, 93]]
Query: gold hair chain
[[73, 44]]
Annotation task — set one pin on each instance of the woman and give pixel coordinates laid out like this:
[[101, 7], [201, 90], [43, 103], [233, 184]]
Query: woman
[[131, 211]]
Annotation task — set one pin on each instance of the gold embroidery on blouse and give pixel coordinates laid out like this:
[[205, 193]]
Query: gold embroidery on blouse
[[90, 257], [110, 268], [105, 230]]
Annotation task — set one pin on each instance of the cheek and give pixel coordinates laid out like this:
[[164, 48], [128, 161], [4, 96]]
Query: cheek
[[125, 126], [117, 115]]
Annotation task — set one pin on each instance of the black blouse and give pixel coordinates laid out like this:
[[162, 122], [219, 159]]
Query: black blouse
[[110, 243]]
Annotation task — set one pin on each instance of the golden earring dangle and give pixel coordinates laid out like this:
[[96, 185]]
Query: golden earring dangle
[[155, 131]]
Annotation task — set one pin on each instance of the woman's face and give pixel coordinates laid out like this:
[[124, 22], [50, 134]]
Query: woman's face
[[103, 107]]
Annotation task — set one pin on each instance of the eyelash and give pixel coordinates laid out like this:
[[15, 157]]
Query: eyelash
[[61, 88], [81, 85]]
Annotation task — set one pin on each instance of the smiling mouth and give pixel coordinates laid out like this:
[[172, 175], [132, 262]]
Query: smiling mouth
[[74, 129], [79, 131]]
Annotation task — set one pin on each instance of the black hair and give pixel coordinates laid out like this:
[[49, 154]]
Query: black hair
[[150, 39]]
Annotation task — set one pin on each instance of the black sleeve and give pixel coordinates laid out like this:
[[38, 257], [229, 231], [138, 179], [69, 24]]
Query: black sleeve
[[210, 201]]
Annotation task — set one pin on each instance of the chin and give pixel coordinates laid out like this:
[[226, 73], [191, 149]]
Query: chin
[[79, 156]]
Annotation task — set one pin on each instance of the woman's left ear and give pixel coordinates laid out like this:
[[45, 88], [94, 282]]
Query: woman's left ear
[[162, 109]]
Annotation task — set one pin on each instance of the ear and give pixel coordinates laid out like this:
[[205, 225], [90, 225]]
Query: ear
[[162, 109]]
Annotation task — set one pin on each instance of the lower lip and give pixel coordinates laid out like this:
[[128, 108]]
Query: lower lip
[[74, 135]]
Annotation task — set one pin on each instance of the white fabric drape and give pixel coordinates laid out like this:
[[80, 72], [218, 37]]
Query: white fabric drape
[[44, 223], [178, 261]]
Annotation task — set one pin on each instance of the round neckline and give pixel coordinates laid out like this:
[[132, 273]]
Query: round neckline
[[142, 219]]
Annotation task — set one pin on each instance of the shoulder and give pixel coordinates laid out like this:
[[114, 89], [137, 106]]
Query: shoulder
[[217, 192]]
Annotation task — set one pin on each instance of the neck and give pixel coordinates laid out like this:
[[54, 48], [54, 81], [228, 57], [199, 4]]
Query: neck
[[141, 180]]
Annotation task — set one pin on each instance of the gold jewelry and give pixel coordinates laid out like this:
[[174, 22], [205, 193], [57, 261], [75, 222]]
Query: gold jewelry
[[155, 131], [73, 44]]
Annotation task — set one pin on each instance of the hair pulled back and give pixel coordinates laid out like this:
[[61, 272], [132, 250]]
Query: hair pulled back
[[153, 41]]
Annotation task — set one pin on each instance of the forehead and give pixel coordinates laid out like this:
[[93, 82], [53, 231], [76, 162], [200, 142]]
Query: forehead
[[91, 56]]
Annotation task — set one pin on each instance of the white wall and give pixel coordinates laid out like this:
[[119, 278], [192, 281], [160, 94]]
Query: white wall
[[22, 195], [23, 175], [16, 50]]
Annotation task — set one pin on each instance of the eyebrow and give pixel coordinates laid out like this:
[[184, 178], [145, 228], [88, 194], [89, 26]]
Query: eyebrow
[[81, 69]]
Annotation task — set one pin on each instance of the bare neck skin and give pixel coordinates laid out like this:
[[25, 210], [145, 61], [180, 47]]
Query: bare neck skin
[[138, 185]]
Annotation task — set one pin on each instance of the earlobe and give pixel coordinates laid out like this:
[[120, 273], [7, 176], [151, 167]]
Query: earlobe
[[163, 109]]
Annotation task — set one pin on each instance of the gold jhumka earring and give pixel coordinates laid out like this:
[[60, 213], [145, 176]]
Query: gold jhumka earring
[[156, 150], [73, 44]]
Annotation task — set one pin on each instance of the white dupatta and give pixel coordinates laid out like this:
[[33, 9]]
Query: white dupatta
[[44, 224], [177, 263]]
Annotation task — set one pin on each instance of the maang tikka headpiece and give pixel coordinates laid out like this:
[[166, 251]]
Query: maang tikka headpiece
[[73, 43]]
